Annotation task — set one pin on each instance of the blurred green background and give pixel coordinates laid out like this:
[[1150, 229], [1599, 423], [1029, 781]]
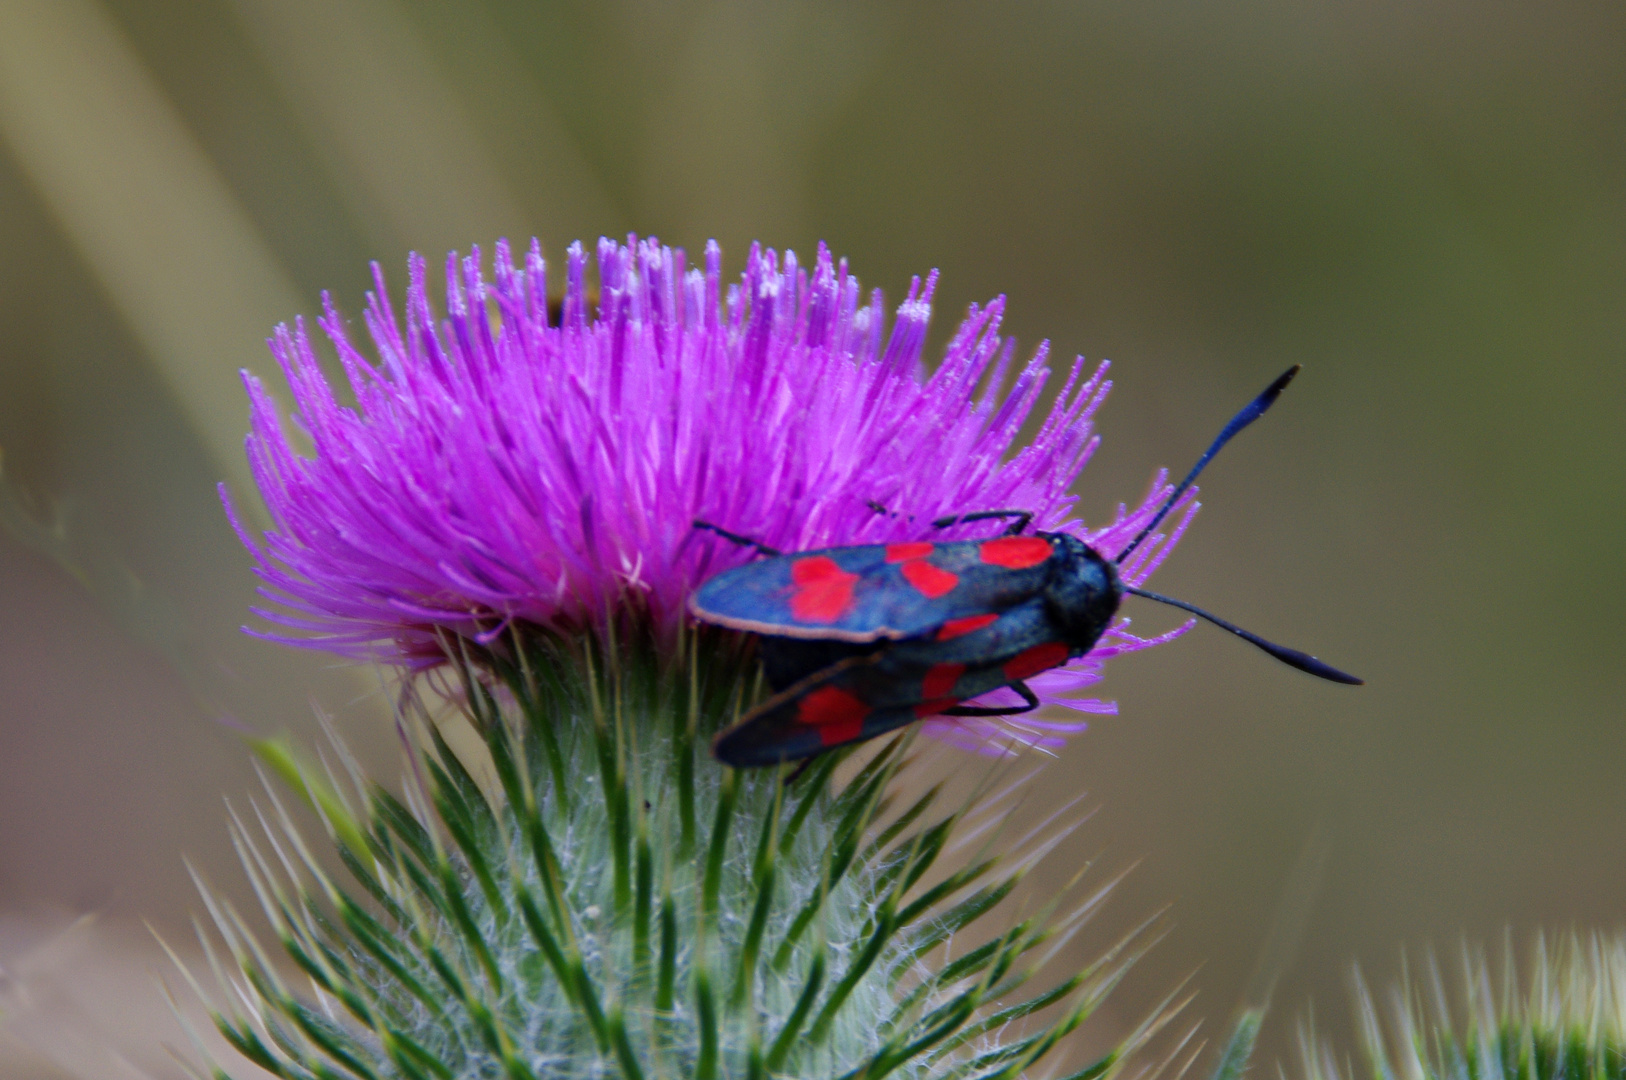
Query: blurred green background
[[1424, 202]]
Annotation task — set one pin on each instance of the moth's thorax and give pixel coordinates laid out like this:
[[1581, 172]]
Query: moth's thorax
[[1083, 591]]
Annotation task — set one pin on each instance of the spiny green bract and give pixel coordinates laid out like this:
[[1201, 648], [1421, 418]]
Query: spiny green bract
[[591, 895], [1567, 1023]]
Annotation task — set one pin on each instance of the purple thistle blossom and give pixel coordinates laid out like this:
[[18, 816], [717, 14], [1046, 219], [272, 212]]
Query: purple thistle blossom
[[496, 467]]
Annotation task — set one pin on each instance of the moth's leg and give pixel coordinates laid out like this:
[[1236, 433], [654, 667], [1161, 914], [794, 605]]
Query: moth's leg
[[880, 508], [1023, 519], [736, 538], [1019, 686], [796, 773]]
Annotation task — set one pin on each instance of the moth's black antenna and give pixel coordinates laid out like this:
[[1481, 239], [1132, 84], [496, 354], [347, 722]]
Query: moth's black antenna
[[1291, 657], [1250, 412]]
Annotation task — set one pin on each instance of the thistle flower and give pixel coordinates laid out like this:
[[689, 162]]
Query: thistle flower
[[499, 467], [503, 519]]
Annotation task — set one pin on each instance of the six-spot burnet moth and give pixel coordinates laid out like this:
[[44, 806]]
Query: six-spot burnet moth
[[858, 641]]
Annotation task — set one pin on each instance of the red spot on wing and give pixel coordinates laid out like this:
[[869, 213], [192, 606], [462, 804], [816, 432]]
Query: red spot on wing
[[931, 580], [932, 708], [960, 627], [904, 552], [940, 679], [838, 715], [824, 591], [1015, 552], [1032, 661]]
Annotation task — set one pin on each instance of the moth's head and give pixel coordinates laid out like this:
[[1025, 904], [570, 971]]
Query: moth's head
[[1083, 592]]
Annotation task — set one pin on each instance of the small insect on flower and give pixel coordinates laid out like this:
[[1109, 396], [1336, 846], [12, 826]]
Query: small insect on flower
[[859, 641]]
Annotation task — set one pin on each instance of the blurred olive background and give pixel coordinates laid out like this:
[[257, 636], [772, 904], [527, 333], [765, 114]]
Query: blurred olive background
[[1424, 202]]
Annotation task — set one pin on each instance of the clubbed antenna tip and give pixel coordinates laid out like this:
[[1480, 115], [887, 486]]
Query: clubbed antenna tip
[[1252, 411], [1291, 657]]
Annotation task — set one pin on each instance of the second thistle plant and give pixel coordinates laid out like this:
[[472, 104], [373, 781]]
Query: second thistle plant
[[1564, 1019]]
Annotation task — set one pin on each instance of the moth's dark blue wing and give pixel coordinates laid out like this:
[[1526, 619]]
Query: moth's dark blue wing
[[787, 661], [862, 696], [875, 592]]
